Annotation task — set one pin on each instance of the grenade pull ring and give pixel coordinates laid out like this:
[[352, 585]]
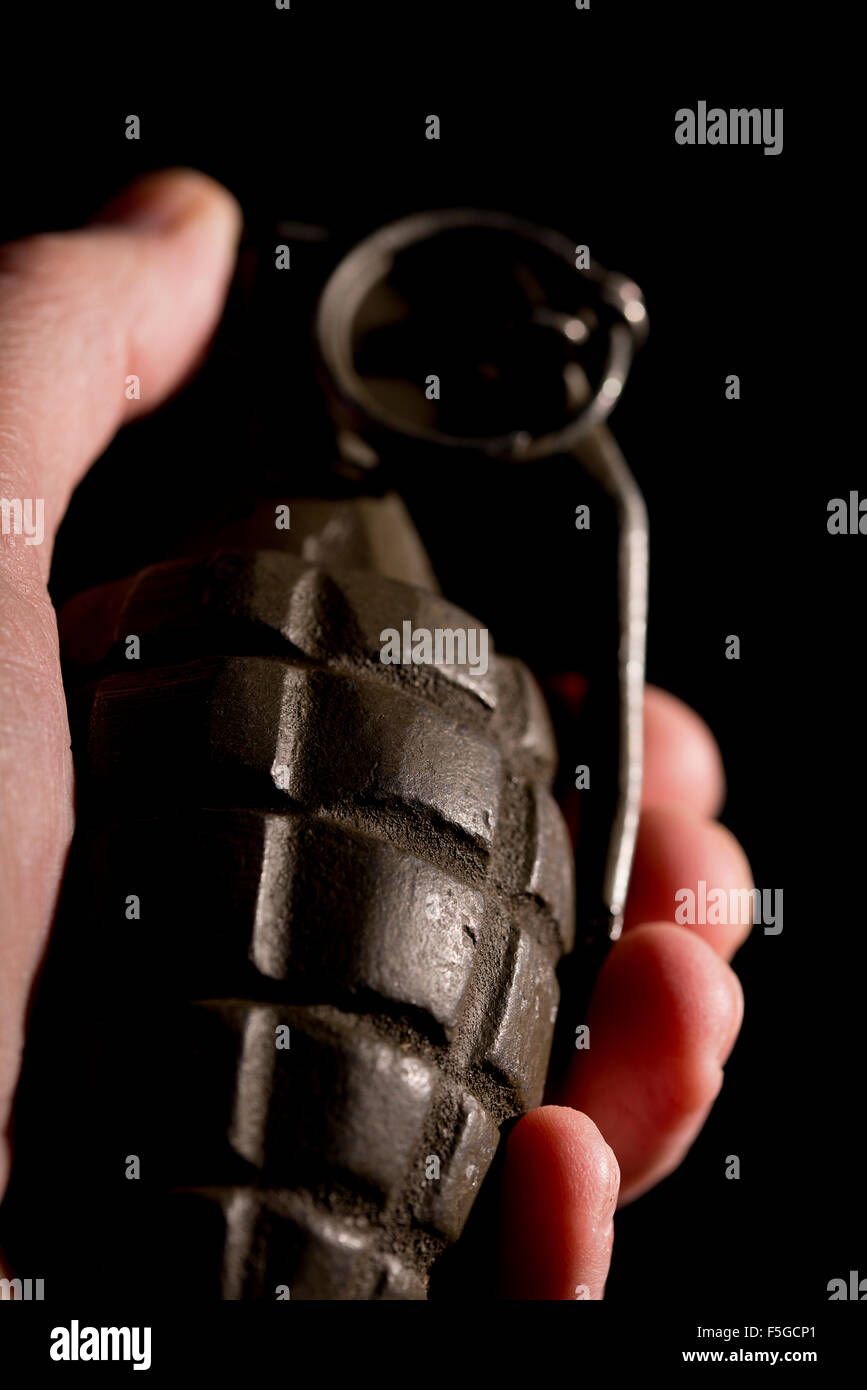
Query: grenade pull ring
[[539, 346]]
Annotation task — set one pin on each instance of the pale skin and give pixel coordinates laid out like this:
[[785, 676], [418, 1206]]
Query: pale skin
[[141, 292]]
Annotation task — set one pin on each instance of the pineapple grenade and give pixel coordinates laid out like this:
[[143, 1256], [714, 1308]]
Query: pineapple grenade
[[304, 974]]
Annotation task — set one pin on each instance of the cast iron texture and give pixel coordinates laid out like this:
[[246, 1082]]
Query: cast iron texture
[[368, 854]]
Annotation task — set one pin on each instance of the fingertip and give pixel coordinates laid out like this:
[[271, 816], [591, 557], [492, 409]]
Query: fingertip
[[560, 1189], [682, 761], [560, 1134], [692, 872], [167, 200], [664, 1017]]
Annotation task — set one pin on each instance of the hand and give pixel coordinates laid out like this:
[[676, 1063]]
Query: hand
[[663, 1019], [140, 292]]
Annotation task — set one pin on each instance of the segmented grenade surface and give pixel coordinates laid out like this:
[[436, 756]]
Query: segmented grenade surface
[[367, 853]]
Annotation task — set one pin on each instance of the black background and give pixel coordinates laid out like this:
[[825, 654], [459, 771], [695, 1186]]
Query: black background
[[568, 118]]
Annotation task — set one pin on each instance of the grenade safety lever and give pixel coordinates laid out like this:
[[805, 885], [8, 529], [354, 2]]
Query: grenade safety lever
[[519, 283]]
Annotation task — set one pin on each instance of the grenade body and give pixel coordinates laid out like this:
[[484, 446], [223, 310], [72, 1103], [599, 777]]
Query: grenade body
[[304, 965]]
